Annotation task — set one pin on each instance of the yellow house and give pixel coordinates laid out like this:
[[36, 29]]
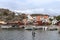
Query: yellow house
[[3, 22]]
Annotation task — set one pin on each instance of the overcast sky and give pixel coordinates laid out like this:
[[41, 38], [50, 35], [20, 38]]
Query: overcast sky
[[32, 6]]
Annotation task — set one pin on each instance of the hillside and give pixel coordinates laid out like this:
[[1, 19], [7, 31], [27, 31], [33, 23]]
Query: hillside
[[6, 14]]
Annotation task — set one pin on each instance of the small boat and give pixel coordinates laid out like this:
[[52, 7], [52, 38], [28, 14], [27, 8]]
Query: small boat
[[5, 26], [52, 28], [28, 28]]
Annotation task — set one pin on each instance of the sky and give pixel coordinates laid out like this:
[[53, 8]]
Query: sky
[[51, 7]]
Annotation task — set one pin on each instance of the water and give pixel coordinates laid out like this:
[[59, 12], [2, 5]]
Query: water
[[27, 35]]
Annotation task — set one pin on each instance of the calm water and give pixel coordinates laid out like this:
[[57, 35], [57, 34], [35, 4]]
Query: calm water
[[27, 35]]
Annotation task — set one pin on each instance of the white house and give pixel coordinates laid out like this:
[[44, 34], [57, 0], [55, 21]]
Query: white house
[[54, 21]]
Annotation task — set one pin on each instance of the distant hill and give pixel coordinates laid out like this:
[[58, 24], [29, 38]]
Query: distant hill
[[39, 14], [6, 14]]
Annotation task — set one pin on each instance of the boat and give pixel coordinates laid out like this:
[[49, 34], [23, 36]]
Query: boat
[[5, 26], [28, 28]]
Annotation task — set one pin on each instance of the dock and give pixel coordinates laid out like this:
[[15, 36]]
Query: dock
[[30, 27]]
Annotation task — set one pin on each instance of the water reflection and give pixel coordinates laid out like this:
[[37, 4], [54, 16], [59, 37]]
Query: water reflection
[[27, 35]]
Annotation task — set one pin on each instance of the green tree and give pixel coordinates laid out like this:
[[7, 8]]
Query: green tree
[[58, 18], [50, 19]]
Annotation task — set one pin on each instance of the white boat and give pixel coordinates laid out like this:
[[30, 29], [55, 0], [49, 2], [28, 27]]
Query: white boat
[[28, 28], [5, 26]]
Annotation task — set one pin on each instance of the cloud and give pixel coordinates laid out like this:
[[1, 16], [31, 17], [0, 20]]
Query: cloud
[[49, 11], [18, 4], [38, 10], [39, 1], [25, 4], [54, 10], [32, 6]]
